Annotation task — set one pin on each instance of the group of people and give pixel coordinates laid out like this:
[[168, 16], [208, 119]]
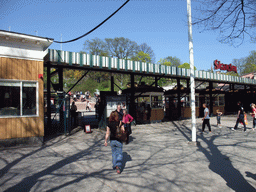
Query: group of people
[[118, 119], [241, 117], [206, 118], [79, 95]]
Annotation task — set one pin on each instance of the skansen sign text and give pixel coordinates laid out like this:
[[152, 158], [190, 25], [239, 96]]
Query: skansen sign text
[[221, 66]]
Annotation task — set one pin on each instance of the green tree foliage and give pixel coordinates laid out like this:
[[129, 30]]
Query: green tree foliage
[[141, 56], [232, 73], [186, 66], [170, 61], [250, 63], [164, 62]]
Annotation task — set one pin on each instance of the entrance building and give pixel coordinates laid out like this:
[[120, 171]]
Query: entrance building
[[21, 87], [22, 61]]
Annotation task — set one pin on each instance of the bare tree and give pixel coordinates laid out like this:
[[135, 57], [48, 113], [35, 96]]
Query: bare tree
[[96, 46], [120, 47], [235, 19], [148, 50], [240, 64]]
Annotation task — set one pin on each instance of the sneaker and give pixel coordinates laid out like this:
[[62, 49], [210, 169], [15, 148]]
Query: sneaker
[[232, 129], [244, 130], [118, 171]]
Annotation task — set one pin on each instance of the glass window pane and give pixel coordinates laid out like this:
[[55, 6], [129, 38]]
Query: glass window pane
[[10, 95], [156, 102], [221, 101], [28, 99], [197, 101], [215, 101]]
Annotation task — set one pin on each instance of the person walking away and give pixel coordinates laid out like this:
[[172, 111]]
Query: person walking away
[[115, 143], [240, 116], [206, 119], [126, 122], [219, 113], [73, 110], [253, 114]]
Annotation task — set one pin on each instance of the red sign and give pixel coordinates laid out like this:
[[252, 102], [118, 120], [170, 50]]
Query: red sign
[[221, 66]]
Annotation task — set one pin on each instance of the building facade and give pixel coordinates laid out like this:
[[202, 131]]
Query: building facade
[[21, 86]]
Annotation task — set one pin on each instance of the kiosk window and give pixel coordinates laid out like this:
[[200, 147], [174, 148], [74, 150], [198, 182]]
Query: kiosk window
[[197, 101], [29, 99], [215, 101], [156, 102], [19, 98], [221, 101]]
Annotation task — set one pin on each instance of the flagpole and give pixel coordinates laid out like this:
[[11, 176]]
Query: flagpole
[[192, 73]]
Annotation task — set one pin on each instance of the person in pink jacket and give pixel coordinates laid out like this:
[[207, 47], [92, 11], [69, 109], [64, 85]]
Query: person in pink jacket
[[126, 121]]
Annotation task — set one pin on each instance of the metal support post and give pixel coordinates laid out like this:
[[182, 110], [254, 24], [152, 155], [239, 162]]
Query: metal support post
[[60, 73], [61, 95], [188, 82], [132, 107], [156, 80], [112, 83], [211, 98], [49, 122], [179, 99]]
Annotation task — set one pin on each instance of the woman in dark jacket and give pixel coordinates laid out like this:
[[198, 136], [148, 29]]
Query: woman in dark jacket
[[115, 143]]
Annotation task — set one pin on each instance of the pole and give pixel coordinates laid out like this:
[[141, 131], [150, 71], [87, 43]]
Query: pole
[[179, 99], [112, 83], [192, 73], [61, 41], [49, 121], [211, 98], [132, 103]]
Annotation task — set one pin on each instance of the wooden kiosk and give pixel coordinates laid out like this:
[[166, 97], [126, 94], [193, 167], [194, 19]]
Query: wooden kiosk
[[148, 103], [201, 96], [21, 87]]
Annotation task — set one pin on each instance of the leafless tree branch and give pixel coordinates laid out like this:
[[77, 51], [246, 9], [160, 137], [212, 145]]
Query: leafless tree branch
[[235, 19]]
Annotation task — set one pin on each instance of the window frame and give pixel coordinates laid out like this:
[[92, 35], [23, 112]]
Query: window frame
[[21, 83]]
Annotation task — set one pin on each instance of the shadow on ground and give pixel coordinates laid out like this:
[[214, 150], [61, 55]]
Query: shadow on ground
[[219, 163]]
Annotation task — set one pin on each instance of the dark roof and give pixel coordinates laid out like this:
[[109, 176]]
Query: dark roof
[[144, 89]]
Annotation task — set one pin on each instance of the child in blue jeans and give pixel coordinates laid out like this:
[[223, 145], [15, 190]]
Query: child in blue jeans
[[219, 113]]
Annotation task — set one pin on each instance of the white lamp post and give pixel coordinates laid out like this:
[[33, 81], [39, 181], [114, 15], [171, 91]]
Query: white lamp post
[[192, 73]]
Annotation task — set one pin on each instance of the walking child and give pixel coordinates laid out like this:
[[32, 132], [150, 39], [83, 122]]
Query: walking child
[[219, 113]]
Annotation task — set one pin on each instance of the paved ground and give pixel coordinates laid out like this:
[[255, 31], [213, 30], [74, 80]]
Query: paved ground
[[158, 158]]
